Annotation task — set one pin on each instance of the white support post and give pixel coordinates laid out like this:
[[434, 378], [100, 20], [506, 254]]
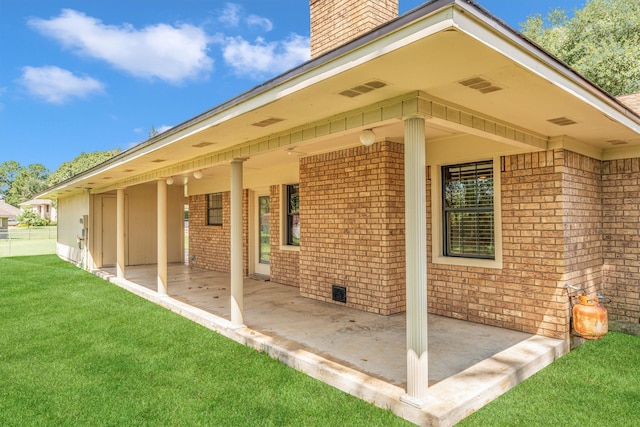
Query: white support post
[[120, 232], [162, 237], [237, 273], [416, 261]]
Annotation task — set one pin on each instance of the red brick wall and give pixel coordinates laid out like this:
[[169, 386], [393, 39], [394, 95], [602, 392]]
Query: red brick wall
[[210, 245], [284, 263], [526, 293], [582, 199], [335, 22], [621, 229], [348, 237]]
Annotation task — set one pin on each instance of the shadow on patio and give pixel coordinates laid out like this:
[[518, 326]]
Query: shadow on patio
[[361, 353]]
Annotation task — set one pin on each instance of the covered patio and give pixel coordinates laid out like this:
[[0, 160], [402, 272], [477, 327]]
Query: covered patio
[[358, 352]]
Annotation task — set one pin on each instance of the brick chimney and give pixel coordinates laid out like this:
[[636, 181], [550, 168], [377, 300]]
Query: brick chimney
[[335, 22]]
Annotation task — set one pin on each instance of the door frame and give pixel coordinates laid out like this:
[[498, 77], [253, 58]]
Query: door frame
[[254, 229]]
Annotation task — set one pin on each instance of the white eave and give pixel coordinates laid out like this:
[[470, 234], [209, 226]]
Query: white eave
[[411, 54]]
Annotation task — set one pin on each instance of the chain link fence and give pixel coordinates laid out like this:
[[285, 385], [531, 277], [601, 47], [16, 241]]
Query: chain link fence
[[22, 241]]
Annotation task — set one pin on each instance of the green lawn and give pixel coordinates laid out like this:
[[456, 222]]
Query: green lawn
[[78, 351], [597, 384], [25, 241]]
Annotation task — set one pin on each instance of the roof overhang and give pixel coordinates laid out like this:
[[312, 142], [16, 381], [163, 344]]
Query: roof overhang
[[424, 62]]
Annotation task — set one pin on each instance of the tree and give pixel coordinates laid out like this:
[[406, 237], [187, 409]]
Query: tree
[[21, 184], [80, 164], [601, 41], [8, 173]]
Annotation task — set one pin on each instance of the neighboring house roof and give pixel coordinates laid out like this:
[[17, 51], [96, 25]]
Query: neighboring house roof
[[36, 202], [430, 55], [632, 101], [7, 210]]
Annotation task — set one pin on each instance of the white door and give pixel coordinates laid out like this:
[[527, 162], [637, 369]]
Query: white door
[[263, 238]]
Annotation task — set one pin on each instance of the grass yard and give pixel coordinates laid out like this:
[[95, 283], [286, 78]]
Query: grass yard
[[597, 384], [78, 351], [29, 241]]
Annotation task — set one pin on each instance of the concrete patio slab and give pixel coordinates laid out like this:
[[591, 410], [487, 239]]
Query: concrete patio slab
[[360, 353]]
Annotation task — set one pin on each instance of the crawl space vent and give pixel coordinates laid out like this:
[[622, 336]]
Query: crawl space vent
[[339, 293]]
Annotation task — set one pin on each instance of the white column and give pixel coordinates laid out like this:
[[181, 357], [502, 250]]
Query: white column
[[416, 261], [162, 237], [120, 233], [237, 272]]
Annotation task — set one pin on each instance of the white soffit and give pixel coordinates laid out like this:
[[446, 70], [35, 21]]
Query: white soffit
[[495, 36]]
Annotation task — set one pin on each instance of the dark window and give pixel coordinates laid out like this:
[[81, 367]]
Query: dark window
[[293, 215], [467, 192], [214, 209]]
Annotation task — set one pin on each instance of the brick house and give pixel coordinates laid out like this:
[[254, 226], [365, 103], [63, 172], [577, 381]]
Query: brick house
[[436, 161]]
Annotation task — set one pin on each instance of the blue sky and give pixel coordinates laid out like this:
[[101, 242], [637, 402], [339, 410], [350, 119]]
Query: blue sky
[[89, 75]]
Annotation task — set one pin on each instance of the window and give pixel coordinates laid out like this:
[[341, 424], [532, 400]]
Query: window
[[214, 209], [293, 215], [468, 210]]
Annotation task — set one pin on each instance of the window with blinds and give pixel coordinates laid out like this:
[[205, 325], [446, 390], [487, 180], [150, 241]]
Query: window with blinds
[[214, 209], [468, 210], [293, 215]]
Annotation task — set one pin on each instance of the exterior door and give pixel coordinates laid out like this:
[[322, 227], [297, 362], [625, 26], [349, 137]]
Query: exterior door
[[108, 232], [263, 239]]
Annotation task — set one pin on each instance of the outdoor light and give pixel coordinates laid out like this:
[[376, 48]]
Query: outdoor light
[[367, 137], [197, 174], [169, 181]]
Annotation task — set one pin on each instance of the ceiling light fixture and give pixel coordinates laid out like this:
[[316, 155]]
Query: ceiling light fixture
[[367, 137], [169, 181], [197, 174]]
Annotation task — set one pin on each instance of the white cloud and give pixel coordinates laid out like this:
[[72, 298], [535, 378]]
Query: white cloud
[[169, 53], [230, 15], [260, 58], [259, 21], [56, 85]]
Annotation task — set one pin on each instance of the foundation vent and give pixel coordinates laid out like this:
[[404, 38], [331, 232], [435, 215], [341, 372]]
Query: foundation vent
[[339, 293]]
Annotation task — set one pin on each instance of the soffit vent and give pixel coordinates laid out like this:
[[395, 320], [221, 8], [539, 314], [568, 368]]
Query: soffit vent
[[203, 144], [267, 122], [363, 88], [562, 121], [617, 142], [480, 84]]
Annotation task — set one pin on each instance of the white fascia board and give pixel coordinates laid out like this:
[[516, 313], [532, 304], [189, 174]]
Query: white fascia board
[[416, 30], [500, 39]]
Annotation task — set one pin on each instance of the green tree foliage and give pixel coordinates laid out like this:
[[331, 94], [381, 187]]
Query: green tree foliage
[[19, 184], [80, 164], [601, 41], [8, 173]]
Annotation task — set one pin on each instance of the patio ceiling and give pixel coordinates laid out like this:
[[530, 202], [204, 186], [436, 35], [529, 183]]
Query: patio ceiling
[[439, 51]]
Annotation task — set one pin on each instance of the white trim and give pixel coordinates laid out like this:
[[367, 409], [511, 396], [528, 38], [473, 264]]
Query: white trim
[[436, 221]]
